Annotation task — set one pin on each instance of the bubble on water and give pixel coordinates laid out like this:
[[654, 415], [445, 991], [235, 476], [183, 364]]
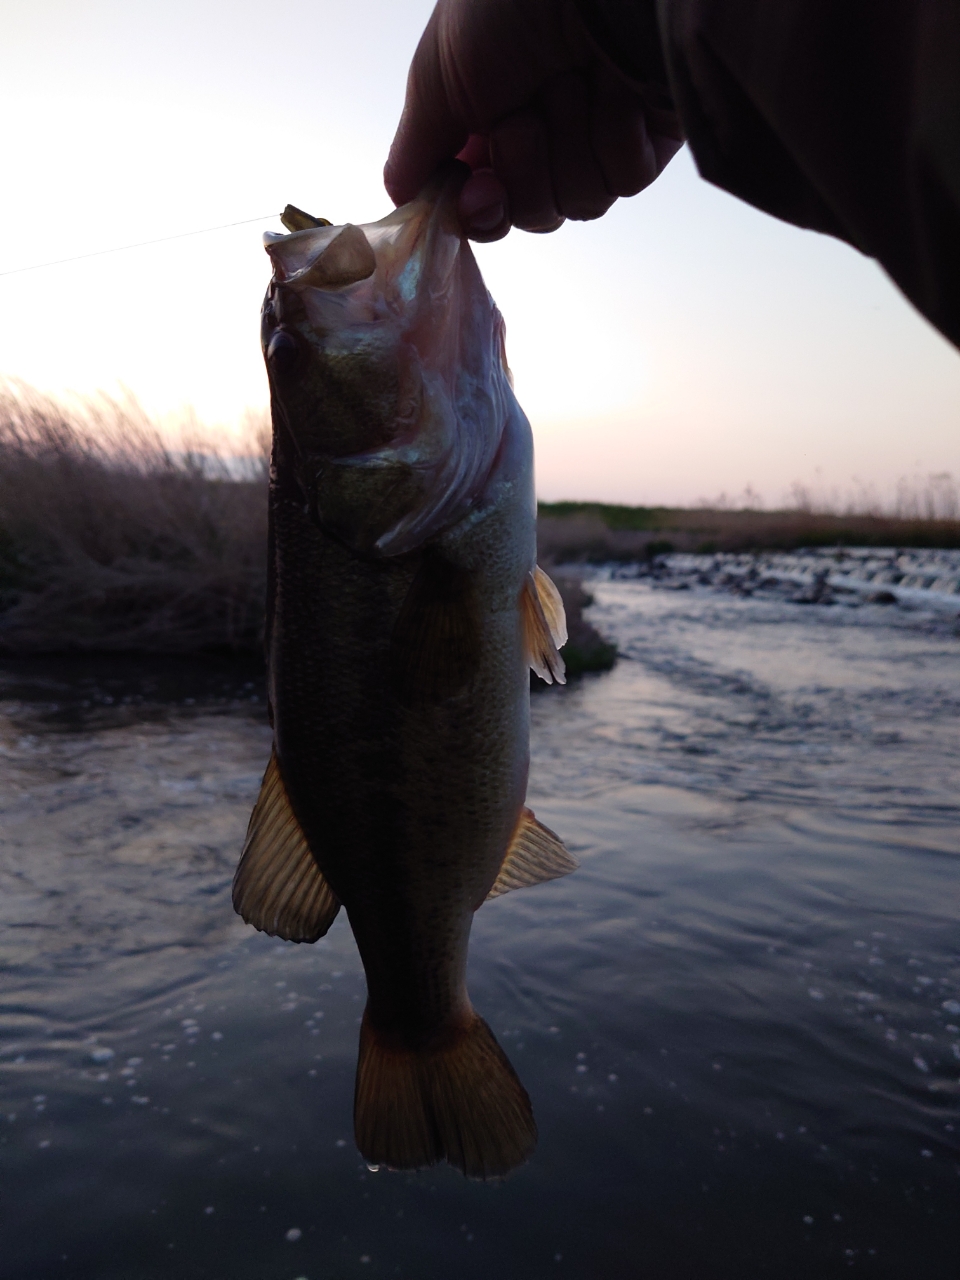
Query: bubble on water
[[581, 1057], [39, 1097], [364, 1257], [134, 1062], [102, 1055], [293, 1235], [581, 1068], [45, 1143], [341, 1142], [613, 1077], [951, 1006], [815, 993], [208, 1209], [216, 1035], [374, 1168], [106, 1101], [920, 1064], [808, 1220], [140, 1100], [926, 1152]]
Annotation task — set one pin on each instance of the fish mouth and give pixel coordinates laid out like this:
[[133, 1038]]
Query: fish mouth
[[384, 353], [354, 262]]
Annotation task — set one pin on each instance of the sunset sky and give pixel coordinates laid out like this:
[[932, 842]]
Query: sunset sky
[[682, 347]]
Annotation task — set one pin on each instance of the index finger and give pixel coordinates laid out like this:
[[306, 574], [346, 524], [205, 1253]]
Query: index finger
[[430, 129]]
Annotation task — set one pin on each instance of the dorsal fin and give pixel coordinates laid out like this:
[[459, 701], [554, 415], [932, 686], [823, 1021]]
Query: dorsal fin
[[535, 854], [278, 887], [540, 629]]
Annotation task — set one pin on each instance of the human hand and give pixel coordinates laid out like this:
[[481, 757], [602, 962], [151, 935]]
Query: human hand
[[548, 124]]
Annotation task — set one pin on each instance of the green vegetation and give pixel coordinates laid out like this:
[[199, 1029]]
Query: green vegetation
[[612, 515]]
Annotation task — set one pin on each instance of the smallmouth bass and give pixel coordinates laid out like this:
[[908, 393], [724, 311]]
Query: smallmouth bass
[[405, 609]]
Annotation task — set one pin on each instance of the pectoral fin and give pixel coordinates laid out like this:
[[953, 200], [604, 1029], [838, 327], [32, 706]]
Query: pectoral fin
[[278, 887], [535, 854], [544, 627], [434, 648]]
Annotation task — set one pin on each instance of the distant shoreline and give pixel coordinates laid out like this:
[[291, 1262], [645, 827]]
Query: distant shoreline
[[112, 542], [596, 532]]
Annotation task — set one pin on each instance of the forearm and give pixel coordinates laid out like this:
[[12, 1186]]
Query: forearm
[[843, 117]]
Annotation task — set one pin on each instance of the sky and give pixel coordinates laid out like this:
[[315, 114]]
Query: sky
[[681, 348]]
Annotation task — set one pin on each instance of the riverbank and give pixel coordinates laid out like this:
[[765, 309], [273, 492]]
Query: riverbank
[[598, 533], [110, 542]]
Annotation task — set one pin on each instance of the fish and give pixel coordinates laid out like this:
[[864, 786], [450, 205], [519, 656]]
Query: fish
[[405, 611]]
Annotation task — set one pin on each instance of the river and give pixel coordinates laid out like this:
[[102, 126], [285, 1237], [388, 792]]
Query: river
[[739, 1022]]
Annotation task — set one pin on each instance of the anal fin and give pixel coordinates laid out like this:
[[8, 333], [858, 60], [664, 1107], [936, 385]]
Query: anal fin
[[544, 627], [278, 887], [535, 854]]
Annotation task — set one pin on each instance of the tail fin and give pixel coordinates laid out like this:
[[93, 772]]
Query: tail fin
[[460, 1101]]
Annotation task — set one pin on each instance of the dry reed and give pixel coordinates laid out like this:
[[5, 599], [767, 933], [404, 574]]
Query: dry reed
[[109, 540]]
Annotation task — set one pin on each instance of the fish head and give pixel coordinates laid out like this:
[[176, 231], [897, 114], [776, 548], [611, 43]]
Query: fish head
[[388, 380]]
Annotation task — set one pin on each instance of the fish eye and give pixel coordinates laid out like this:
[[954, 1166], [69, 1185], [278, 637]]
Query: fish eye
[[283, 353]]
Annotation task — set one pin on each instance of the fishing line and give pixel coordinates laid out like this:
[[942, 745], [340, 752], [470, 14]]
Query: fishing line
[[142, 244]]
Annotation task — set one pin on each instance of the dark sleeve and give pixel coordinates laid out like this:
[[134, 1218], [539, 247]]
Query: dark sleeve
[[838, 115]]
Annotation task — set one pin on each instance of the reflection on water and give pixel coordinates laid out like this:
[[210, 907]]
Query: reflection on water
[[739, 1022]]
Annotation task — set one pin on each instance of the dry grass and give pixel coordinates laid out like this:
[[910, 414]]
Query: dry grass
[[595, 532], [111, 541]]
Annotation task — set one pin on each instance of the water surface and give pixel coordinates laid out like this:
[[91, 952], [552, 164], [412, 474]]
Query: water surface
[[739, 1022]]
